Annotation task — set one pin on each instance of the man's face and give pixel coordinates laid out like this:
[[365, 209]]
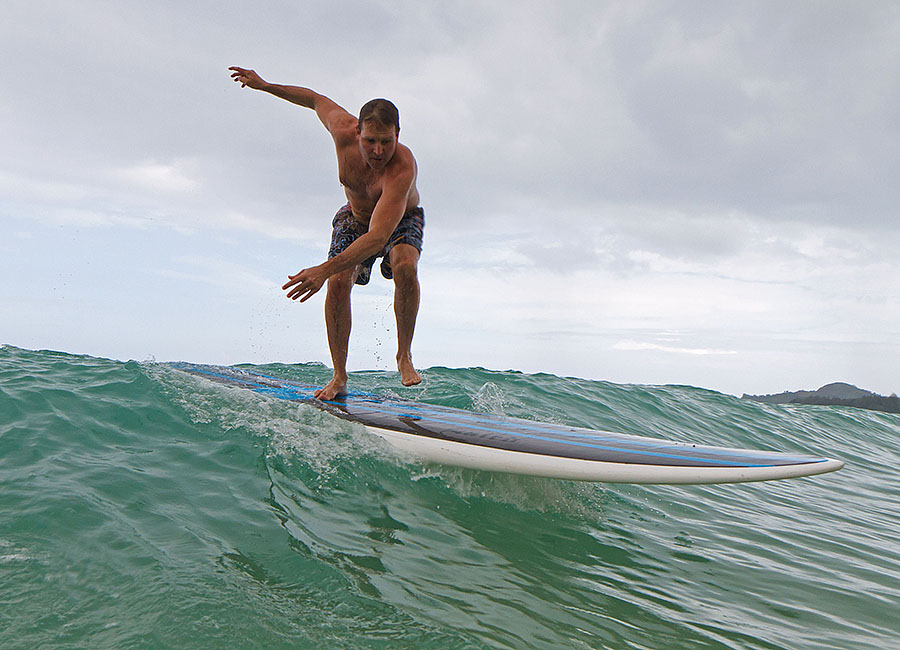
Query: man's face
[[377, 144]]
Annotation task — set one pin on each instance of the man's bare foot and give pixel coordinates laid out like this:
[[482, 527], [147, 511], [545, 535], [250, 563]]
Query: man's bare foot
[[332, 389], [408, 374]]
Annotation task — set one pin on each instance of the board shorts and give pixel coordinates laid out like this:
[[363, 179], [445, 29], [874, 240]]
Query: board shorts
[[346, 230]]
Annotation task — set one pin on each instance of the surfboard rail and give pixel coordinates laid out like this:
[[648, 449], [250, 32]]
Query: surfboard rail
[[489, 459]]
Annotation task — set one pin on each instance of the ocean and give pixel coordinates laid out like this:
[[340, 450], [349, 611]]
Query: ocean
[[141, 507]]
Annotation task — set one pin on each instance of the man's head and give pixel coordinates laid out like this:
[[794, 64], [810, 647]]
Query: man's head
[[380, 112], [377, 131]]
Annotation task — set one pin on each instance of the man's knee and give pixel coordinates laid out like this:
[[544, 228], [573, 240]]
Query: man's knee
[[339, 286], [404, 263], [405, 271]]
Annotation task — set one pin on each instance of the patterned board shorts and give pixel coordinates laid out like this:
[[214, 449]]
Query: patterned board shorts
[[346, 230]]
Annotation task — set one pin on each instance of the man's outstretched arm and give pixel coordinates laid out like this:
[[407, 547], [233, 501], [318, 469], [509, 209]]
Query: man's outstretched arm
[[328, 111]]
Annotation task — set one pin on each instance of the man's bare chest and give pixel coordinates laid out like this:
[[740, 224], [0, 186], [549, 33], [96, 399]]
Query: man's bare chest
[[359, 179]]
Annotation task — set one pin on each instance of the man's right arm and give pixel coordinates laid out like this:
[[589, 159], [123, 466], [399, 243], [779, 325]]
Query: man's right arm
[[329, 113]]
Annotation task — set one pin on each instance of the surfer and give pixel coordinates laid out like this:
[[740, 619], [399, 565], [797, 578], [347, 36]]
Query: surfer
[[382, 218]]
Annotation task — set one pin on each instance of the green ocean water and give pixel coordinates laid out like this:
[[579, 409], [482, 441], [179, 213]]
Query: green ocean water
[[144, 508]]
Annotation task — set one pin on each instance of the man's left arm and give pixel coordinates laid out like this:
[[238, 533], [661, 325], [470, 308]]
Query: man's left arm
[[385, 218]]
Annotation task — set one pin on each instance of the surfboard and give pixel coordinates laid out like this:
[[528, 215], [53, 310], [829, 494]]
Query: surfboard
[[452, 436]]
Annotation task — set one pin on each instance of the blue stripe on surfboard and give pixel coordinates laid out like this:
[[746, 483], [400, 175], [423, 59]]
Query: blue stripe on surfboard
[[624, 443], [393, 408], [295, 391], [656, 454], [387, 406]]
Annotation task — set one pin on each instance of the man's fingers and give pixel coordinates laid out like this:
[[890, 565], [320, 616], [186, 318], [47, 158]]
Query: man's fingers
[[311, 290], [299, 290], [303, 292], [241, 75], [299, 286]]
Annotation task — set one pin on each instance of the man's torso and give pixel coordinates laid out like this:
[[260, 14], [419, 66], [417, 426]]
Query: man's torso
[[364, 185]]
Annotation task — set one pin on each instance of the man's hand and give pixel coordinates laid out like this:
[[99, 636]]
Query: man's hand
[[247, 78], [305, 283]]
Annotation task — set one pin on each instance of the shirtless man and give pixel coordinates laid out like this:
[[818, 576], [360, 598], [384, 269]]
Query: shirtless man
[[382, 218]]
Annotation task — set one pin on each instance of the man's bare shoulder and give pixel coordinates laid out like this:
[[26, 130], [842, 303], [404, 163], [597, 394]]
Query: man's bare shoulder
[[403, 161]]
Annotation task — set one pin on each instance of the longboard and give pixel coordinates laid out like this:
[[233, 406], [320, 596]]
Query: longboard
[[442, 434]]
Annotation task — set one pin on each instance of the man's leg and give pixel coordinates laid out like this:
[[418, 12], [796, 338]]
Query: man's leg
[[337, 323], [404, 263]]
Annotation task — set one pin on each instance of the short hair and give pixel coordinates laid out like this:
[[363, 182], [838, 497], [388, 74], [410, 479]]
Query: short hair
[[380, 111]]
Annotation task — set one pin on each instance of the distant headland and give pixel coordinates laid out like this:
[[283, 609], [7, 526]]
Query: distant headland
[[836, 394]]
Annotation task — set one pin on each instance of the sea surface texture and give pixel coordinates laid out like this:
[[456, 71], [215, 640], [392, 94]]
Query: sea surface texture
[[141, 507]]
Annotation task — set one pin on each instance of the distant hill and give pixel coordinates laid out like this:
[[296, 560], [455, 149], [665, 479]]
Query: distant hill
[[836, 394]]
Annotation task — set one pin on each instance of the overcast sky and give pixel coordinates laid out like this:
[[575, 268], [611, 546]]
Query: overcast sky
[[698, 193]]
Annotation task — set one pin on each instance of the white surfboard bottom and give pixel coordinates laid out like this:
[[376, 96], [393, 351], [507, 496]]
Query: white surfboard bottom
[[461, 454]]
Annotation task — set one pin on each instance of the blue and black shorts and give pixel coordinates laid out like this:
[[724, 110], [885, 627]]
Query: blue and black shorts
[[346, 230]]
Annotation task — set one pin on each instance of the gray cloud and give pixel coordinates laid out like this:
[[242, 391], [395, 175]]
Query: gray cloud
[[782, 112]]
